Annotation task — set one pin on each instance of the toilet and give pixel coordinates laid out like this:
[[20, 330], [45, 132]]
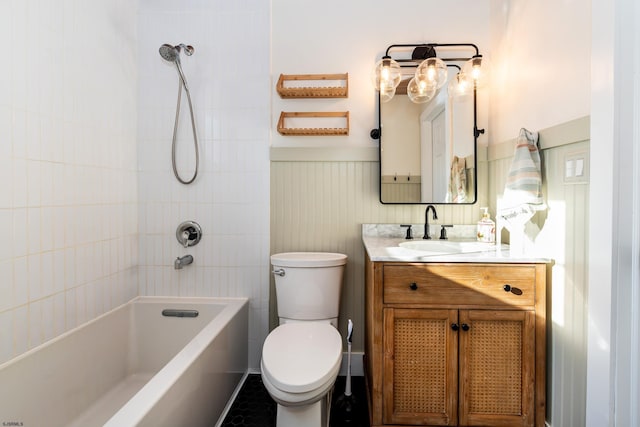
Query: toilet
[[301, 357]]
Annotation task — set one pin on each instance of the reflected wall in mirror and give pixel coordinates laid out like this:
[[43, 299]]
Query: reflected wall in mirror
[[428, 148]]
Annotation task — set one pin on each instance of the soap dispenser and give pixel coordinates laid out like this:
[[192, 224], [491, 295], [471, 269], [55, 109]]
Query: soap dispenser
[[486, 228]]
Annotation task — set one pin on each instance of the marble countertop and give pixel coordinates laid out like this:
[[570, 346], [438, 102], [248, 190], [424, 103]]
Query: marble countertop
[[382, 243]]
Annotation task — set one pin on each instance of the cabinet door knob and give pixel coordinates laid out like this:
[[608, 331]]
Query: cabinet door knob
[[454, 326], [465, 327], [413, 286]]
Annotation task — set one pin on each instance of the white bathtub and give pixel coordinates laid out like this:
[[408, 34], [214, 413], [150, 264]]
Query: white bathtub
[[133, 367]]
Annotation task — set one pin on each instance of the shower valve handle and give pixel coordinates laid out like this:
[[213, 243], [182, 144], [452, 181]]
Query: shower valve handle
[[189, 233]]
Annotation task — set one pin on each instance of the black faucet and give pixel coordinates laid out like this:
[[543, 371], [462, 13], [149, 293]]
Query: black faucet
[[426, 220]]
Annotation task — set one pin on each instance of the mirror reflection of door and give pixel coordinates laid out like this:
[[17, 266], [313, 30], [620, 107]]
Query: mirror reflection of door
[[434, 155]]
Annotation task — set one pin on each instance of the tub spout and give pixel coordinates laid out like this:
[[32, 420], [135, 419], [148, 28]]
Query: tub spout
[[181, 261]]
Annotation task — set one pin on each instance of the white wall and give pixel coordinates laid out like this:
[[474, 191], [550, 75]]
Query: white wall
[[68, 214], [336, 37], [228, 76], [540, 65]]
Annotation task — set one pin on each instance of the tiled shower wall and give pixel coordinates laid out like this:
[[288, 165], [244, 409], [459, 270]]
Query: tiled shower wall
[[228, 76], [68, 212]]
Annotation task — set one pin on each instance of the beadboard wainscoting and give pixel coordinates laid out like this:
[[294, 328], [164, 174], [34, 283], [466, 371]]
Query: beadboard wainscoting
[[319, 203], [563, 237]]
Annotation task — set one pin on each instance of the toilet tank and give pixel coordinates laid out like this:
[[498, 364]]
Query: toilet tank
[[308, 285]]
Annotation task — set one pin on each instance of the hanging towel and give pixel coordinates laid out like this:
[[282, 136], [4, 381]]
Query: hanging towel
[[522, 193], [458, 181], [524, 182]]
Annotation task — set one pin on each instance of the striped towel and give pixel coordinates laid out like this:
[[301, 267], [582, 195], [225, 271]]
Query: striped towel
[[523, 189], [457, 181]]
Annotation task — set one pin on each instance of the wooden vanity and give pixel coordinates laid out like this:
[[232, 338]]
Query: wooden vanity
[[455, 343]]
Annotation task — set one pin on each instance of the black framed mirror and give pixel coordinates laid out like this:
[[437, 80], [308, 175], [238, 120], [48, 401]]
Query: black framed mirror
[[428, 140]]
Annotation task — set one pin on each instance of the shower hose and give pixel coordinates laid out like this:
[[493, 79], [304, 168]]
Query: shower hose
[[181, 83]]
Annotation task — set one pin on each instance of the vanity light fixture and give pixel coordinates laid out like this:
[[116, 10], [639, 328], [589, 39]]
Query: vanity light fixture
[[426, 70], [386, 77], [432, 72], [420, 91], [477, 69], [460, 84]]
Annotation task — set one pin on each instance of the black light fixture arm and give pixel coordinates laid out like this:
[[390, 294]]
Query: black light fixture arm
[[428, 50], [476, 132]]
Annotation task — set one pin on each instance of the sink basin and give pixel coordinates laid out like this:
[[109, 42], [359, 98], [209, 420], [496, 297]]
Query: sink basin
[[440, 247]]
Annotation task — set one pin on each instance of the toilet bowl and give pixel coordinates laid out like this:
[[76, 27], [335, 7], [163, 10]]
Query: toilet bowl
[[301, 357], [300, 362]]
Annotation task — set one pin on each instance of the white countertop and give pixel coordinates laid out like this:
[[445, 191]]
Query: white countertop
[[382, 247]]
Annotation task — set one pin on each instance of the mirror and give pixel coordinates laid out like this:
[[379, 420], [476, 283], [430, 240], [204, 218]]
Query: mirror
[[428, 150]]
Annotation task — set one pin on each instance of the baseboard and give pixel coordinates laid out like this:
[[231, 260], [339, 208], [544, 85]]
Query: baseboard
[[357, 368]]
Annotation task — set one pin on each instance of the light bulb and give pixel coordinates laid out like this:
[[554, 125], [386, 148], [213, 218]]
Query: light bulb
[[420, 91], [386, 73], [433, 71], [460, 85], [477, 70]]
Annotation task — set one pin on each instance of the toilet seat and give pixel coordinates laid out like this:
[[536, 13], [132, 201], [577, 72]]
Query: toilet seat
[[301, 357]]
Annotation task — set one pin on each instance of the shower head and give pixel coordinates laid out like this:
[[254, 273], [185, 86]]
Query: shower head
[[172, 53], [169, 53]]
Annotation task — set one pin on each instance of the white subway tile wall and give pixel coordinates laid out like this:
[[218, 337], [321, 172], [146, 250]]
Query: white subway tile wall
[[88, 205], [228, 76], [68, 198]]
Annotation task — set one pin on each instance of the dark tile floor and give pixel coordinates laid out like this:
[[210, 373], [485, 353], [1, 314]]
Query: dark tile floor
[[254, 407]]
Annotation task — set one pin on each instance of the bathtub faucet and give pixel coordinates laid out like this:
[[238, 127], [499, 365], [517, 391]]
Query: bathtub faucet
[[181, 261]]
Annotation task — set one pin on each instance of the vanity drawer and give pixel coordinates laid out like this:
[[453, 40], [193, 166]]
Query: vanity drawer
[[459, 284]]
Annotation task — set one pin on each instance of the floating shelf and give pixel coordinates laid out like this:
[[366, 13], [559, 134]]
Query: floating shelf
[[311, 131], [339, 91]]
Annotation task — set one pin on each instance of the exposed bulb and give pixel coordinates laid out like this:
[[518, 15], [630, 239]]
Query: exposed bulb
[[419, 91], [433, 71], [386, 74], [477, 70], [460, 85]]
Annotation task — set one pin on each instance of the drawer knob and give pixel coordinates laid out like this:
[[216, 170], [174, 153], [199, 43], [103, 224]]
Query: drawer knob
[[413, 286], [512, 289], [465, 327], [455, 326]]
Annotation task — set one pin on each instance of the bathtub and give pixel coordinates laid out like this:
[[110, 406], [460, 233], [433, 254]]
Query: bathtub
[[133, 366]]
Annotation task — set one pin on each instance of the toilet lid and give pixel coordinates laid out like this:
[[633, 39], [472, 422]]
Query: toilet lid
[[308, 259], [300, 357]]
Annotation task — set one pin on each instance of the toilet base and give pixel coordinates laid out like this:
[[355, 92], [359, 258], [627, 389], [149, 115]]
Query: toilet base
[[313, 415]]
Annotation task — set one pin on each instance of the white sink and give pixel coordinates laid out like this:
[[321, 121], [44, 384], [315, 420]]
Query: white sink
[[445, 247]]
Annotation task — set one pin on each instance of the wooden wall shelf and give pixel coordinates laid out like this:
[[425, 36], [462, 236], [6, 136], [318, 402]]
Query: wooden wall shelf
[[341, 91], [313, 131]]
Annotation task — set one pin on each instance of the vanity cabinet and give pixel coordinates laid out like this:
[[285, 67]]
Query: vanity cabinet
[[455, 344]]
